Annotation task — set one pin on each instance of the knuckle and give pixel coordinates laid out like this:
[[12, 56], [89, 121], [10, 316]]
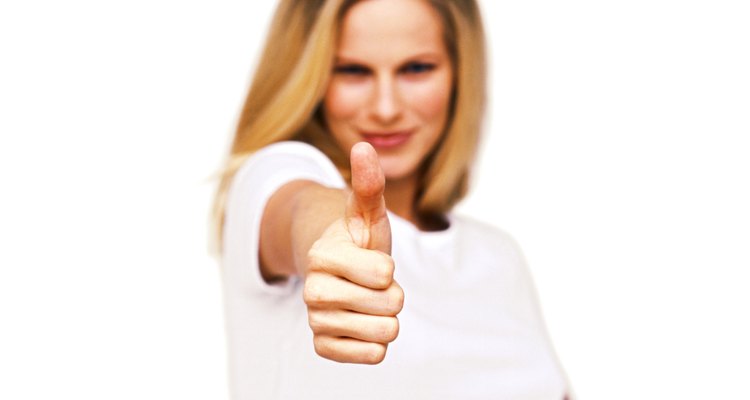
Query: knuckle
[[315, 321], [395, 300], [374, 354], [312, 293], [315, 257], [390, 265], [400, 299], [321, 347], [389, 330], [384, 272]]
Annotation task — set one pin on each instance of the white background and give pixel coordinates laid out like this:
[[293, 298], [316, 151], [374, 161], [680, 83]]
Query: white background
[[616, 153]]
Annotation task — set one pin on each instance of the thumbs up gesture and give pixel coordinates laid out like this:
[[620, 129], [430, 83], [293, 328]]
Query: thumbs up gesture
[[352, 299]]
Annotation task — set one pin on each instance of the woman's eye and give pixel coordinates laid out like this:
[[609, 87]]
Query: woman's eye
[[356, 70], [417, 68]]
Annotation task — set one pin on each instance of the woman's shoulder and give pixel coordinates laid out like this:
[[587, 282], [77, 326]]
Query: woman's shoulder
[[290, 147], [483, 235], [290, 159], [287, 151], [473, 226]]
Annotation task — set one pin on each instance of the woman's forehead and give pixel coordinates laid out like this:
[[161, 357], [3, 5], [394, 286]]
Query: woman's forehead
[[390, 27]]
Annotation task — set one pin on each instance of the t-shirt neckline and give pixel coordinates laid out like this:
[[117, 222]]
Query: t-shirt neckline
[[395, 219]]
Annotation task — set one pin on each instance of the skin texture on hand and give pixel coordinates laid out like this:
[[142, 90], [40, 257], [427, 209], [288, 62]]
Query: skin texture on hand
[[366, 215], [351, 297]]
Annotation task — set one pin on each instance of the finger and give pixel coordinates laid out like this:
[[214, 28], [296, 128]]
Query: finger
[[324, 291], [348, 350], [341, 323], [367, 218], [369, 268], [368, 181]]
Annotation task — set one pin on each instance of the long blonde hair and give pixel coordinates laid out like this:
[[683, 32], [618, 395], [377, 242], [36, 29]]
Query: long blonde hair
[[284, 99]]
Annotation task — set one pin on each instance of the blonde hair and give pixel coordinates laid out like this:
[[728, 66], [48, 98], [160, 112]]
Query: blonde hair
[[283, 102]]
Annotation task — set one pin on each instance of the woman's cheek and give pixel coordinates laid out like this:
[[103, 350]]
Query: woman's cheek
[[343, 100], [430, 98]]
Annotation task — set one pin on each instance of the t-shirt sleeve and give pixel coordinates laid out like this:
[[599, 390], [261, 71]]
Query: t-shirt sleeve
[[261, 176]]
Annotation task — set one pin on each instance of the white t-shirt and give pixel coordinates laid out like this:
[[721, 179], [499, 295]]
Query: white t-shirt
[[470, 327]]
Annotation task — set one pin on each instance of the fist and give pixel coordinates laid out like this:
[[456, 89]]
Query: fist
[[351, 297]]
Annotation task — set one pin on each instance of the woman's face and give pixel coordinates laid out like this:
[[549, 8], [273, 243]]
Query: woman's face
[[392, 83]]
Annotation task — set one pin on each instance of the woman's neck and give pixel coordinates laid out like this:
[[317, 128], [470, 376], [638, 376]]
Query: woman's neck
[[400, 196]]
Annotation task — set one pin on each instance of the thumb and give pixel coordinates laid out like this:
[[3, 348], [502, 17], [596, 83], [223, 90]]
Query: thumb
[[367, 219]]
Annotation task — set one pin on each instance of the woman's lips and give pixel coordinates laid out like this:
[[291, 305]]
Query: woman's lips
[[386, 140]]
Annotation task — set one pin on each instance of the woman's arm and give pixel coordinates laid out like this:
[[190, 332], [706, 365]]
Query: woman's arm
[[340, 244], [301, 210]]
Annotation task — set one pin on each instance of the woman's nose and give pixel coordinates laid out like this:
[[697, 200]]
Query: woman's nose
[[387, 105]]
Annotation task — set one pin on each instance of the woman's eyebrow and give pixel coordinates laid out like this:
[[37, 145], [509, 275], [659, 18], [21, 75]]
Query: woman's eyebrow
[[426, 54], [432, 56], [347, 60]]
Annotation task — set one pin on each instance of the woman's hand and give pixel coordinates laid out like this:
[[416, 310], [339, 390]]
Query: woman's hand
[[352, 299]]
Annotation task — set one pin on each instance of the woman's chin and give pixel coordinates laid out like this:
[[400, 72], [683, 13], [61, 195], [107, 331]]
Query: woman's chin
[[395, 173]]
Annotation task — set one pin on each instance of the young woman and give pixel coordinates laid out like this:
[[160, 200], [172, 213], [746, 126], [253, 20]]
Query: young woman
[[346, 275]]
